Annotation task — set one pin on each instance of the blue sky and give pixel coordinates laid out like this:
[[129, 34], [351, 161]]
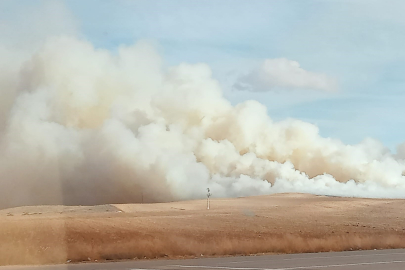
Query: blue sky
[[359, 43]]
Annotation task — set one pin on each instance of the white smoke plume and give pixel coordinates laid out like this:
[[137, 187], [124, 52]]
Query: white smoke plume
[[80, 125]]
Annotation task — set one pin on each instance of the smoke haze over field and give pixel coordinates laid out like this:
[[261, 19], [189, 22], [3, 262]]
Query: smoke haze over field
[[80, 125]]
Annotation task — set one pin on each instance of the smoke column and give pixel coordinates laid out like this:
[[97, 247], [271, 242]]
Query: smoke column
[[80, 125]]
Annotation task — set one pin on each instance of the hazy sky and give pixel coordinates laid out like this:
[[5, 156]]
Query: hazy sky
[[338, 64]]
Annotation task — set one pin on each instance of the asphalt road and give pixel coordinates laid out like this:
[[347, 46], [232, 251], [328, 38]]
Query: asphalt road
[[356, 260]]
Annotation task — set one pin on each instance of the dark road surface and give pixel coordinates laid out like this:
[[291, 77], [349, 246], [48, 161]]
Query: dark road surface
[[356, 260]]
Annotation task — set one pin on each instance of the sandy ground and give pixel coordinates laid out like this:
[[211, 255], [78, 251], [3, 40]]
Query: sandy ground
[[280, 223]]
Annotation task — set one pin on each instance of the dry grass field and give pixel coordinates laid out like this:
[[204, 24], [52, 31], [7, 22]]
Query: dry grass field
[[282, 223]]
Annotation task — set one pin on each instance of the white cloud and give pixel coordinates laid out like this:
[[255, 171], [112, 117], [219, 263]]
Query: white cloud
[[281, 73]]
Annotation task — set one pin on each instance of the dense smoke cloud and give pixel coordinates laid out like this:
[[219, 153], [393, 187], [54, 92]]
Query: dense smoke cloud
[[80, 125]]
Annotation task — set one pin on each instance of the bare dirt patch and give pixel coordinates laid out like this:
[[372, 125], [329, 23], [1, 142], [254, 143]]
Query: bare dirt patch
[[283, 223]]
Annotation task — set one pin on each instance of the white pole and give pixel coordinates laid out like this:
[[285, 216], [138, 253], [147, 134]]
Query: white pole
[[208, 199]]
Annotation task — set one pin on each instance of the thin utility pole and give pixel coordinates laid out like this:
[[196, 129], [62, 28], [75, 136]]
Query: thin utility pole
[[208, 198]]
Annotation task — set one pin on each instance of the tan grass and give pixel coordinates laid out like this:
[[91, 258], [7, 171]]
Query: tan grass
[[233, 227]]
